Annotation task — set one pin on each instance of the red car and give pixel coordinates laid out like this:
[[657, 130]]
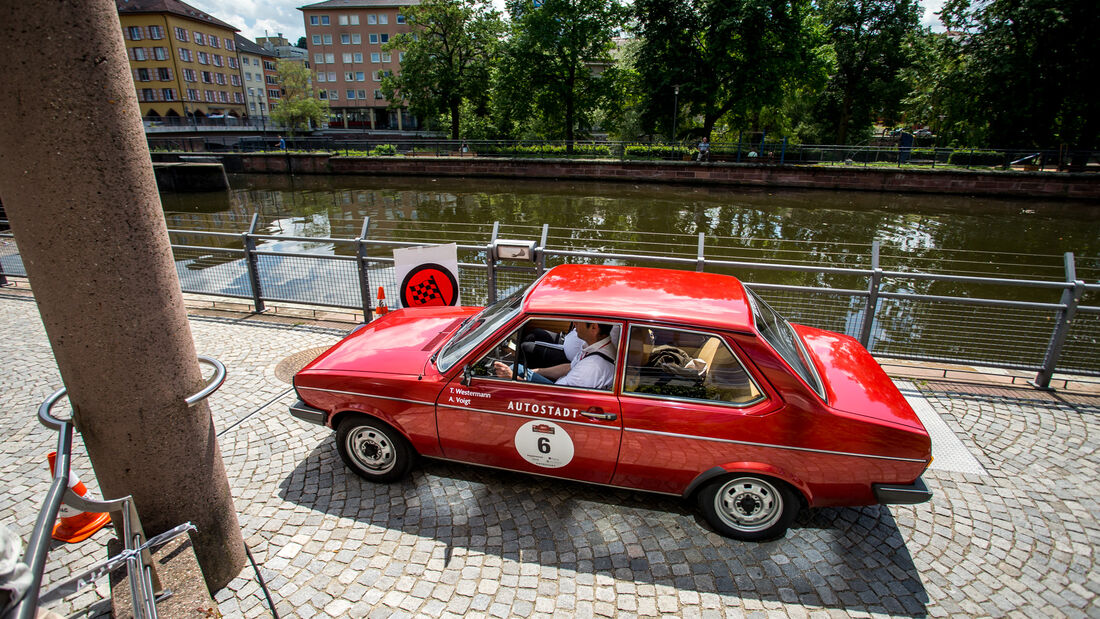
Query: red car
[[703, 392]]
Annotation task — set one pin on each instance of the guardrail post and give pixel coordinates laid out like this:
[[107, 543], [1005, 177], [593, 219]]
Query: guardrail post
[[783, 152], [3, 278], [872, 298], [1071, 298], [541, 262], [699, 257], [491, 265], [361, 267], [253, 264]]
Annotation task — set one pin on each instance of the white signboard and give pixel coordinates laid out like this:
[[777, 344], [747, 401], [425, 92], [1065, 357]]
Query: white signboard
[[427, 276]]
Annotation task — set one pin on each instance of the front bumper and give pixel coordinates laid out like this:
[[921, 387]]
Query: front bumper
[[305, 412], [892, 494]]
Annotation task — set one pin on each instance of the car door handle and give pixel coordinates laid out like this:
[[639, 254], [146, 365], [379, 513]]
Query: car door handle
[[597, 413]]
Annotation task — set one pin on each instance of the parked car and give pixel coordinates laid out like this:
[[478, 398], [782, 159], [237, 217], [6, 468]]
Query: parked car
[[715, 398]]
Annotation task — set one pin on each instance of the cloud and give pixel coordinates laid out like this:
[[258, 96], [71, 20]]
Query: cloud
[[253, 17]]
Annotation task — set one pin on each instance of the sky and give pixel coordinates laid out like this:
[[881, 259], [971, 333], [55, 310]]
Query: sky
[[253, 17]]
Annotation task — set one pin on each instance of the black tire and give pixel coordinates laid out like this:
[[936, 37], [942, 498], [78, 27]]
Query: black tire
[[747, 507], [373, 450]]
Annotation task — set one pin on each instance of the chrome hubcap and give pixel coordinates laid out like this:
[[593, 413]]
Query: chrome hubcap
[[748, 504], [371, 449]]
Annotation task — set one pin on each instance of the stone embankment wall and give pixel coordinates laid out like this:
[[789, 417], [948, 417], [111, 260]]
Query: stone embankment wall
[[1083, 186]]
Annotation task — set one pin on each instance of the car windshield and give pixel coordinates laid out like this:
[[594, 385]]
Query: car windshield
[[477, 327], [781, 335]]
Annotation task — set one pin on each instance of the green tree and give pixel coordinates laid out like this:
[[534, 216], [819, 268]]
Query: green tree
[[1030, 68], [728, 57], [939, 94], [298, 108], [870, 41], [448, 55], [551, 73]]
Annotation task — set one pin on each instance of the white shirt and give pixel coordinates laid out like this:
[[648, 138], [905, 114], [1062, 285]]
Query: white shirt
[[591, 370], [573, 345]]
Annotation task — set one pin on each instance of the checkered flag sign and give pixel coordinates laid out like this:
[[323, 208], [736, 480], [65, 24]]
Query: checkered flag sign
[[425, 291]]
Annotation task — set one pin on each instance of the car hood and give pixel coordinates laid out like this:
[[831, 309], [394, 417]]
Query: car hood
[[854, 382], [398, 343]]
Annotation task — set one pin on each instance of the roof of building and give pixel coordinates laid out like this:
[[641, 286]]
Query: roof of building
[[250, 47], [358, 4], [706, 300], [175, 7]]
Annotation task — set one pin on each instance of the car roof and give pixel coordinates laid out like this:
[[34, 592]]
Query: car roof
[[687, 297]]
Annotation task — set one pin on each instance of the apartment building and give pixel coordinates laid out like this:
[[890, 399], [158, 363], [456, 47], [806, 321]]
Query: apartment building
[[184, 61], [254, 59], [345, 39]]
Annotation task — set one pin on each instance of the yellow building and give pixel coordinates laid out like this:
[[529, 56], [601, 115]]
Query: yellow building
[[184, 61]]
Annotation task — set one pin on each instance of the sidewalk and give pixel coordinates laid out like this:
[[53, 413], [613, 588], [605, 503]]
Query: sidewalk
[[1012, 530]]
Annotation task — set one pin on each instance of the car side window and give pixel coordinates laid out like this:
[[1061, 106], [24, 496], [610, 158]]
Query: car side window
[[678, 363], [504, 352]]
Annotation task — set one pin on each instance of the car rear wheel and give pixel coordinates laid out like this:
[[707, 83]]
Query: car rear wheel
[[373, 450], [748, 507]]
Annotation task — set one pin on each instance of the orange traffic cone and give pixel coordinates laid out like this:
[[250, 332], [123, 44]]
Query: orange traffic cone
[[75, 526], [381, 309]]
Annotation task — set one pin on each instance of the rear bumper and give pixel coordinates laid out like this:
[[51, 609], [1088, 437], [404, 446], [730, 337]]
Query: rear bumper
[[891, 494], [303, 411]]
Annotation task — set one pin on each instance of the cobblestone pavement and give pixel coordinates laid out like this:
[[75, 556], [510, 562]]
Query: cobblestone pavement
[[457, 540]]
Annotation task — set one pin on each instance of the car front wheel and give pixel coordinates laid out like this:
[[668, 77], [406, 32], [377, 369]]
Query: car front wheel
[[748, 508], [373, 450]]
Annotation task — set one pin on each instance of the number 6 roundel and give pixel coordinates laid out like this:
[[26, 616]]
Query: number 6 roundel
[[545, 444]]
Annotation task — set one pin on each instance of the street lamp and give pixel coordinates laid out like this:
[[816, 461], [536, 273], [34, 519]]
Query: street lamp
[[675, 111]]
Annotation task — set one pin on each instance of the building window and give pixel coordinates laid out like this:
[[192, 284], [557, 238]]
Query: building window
[[330, 58], [316, 39], [134, 33], [207, 77], [229, 45], [192, 94], [351, 94], [143, 75], [235, 80], [204, 58], [373, 38], [319, 59], [269, 65], [332, 94], [346, 58], [238, 97], [378, 95], [138, 53], [164, 74], [345, 39], [362, 94], [200, 40], [349, 76], [384, 37], [386, 57], [332, 76], [383, 19], [219, 78], [147, 94], [327, 39], [314, 20], [324, 20], [343, 20], [400, 18], [376, 57], [376, 76], [223, 96], [181, 34], [185, 54], [244, 59], [357, 57], [273, 94], [156, 32], [354, 20], [213, 41], [321, 76], [372, 19], [323, 95], [232, 62], [188, 75], [360, 76], [217, 59], [160, 53], [168, 94], [271, 79], [401, 56], [356, 39]]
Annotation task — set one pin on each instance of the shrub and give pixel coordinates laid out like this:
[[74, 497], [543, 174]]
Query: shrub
[[383, 150], [977, 157]]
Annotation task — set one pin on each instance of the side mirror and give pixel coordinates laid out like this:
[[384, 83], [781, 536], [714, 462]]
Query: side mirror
[[467, 375]]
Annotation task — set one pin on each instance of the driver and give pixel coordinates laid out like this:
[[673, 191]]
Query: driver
[[593, 369]]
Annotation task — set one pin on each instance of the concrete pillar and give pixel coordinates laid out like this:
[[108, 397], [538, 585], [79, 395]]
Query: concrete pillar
[[371, 110], [78, 187]]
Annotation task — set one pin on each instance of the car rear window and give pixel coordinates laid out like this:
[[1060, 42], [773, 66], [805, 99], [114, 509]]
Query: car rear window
[[781, 335]]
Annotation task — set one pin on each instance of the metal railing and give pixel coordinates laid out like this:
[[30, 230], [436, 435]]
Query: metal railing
[[136, 557], [1011, 321], [763, 151]]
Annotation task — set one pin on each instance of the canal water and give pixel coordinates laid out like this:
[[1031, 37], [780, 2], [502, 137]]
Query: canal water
[[934, 233]]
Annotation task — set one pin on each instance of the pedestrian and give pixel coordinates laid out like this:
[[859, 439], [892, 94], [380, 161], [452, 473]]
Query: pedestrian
[[282, 143], [704, 149]]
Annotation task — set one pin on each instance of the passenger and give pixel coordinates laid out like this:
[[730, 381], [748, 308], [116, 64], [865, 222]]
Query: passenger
[[594, 368]]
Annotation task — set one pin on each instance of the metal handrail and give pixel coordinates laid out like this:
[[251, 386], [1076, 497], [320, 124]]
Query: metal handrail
[[144, 583]]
